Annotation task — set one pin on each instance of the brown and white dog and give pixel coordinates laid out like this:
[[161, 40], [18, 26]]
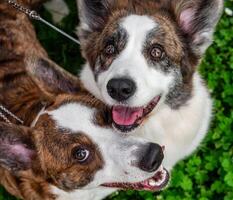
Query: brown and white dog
[[142, 60], [66, 149]]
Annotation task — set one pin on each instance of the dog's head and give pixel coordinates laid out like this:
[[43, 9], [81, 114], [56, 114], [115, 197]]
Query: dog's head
[[72, 146], [142, 54]]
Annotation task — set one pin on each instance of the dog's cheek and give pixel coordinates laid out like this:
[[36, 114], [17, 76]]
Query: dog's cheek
[[180, 91], [188, 66], [69, 181]]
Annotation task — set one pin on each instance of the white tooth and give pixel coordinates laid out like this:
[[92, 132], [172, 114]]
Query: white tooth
[[159, 183], [152, 182], [160, 168], [164, 172], [163, 176]]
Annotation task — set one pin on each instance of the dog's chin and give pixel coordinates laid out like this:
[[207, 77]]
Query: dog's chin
[[156, 183], [127, 119], [125, 129]]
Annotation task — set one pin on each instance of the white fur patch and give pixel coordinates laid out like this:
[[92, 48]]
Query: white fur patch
[[88, 80], [137, 27], [91, 194], [74, 116]]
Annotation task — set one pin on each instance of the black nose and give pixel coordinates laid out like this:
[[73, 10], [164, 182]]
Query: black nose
[[152, 159], [121, 89]]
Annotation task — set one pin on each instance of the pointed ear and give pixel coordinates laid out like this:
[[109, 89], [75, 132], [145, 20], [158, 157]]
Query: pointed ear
[[17, 149], [52, 79], [197, 19], [93, 14]]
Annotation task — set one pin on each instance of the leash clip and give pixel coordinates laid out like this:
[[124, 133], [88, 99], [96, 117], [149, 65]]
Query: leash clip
[[34, 15]]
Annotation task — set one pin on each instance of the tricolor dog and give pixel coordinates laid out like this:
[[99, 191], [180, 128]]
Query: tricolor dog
[[142, 60], [66, 149]]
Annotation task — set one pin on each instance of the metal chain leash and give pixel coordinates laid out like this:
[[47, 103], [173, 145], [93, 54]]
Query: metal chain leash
[[4, 118], [34, 15], [31, 13], [7, 112]]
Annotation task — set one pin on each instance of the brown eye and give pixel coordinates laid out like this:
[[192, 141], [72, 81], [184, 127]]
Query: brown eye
[[81, 154], [156, 52], [109, 50]]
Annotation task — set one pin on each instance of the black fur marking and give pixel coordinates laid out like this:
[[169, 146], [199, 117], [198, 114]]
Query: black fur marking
[[95, 13], [118, 39], [179, 94]]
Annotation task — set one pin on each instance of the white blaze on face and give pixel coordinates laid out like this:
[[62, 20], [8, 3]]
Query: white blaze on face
[[131, 63], [118, 153]]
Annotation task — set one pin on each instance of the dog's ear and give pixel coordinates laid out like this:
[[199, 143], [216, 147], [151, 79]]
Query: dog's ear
[[17, 150], [197, 20], [93, 14], [50, 78]]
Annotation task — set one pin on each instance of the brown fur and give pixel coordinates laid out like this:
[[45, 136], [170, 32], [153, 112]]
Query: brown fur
[[25, 95], [18, 39], [18, 43]]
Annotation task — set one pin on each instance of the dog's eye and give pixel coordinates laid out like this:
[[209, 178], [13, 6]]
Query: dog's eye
[[81, 154], [157, 52], [110, 50]]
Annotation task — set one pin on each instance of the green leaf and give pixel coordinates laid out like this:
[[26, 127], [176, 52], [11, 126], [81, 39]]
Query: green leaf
[[229, 179]]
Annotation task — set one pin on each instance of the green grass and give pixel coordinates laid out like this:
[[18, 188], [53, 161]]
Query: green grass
[[207, 174]]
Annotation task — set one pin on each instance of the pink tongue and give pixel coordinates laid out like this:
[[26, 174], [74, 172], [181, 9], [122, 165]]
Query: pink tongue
[[126, 116]]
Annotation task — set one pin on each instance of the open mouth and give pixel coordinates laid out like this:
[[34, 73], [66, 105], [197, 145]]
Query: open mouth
[[156, 183], [127, 119]]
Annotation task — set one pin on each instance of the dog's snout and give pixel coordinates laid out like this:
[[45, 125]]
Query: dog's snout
[[152, 158], [121, 89]]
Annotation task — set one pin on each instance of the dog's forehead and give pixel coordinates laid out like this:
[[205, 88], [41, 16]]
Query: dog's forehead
[[146, 30], [76, 118], [73, 116], [138, 25]]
